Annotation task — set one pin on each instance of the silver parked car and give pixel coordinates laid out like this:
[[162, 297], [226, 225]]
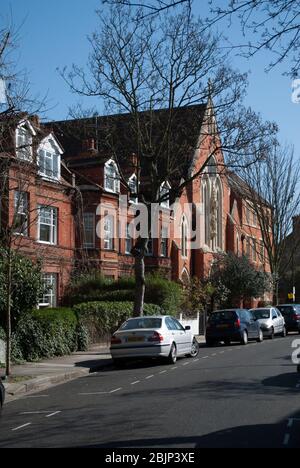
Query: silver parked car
[[271, 321], [152, 336]]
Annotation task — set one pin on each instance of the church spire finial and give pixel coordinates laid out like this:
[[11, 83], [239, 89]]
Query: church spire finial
[[210, 89]]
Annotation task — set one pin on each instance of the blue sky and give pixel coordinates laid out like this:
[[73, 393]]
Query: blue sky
[[53, 34]]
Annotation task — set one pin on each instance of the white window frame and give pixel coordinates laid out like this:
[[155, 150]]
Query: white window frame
[[113, 177], [109, 230], [128, 240], [50, 280], [184, 238], [164, 242], [21, 209], [164, 189], [24, 140], [89, 224], [53, 225], [133, 180], [48, 150]]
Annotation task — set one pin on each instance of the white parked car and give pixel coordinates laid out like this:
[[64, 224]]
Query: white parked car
[[271, 321], [152, 337]]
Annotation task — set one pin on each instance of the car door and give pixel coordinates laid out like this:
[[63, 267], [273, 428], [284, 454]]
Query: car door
[[275, 321], [253, 325], [182, 338], [281, 322]]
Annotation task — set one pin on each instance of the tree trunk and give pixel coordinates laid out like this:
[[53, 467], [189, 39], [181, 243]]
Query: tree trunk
[[139, 271], [8, 316]]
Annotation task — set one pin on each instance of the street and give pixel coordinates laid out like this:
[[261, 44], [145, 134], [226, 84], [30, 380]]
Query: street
[[229, 396]]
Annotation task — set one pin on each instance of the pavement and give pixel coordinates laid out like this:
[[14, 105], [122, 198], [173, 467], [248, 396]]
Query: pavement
[[32, 377]]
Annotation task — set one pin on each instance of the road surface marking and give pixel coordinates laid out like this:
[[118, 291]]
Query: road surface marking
[[149, 377], [53, 414], [21, 427], [163, 372], [214, 354], [195, 360], [222, 352], [286, 439], [115, 390], [34, 412], [134, 383], [175, 367], [205, 357], [185, 363]]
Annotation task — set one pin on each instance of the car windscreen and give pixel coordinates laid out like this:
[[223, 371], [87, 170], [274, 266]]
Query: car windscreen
[[140, 323], [226, 315], [261, 314]]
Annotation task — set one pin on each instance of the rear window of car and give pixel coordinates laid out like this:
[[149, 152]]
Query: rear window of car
[[140, 323], [226, 315], [261, 313], [286, 310]]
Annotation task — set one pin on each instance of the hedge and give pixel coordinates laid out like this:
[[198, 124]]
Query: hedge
[[102, 318], [45, 333]]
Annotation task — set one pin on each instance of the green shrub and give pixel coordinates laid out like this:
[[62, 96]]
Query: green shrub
[[167, 294], [103, 318], [45, 333]]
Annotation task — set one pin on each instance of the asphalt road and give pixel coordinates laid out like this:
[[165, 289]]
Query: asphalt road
[[235, 396]]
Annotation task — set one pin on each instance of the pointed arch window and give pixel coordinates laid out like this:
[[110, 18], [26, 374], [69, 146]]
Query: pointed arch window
[[133, 188], [165, 194], [111, 177], [184, 238]]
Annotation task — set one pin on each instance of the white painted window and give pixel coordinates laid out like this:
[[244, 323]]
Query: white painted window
[[128, 240], [109, 232], [47, 225], [164, 242], [184, 238], [111, 177], [49, 164], [21, 213], [49, 297], [89, 230], [165, 194], [133, 187], [24, 143]]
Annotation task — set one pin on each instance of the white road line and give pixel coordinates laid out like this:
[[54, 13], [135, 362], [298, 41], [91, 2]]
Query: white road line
[[205, 357], [115, 390], [286, 439], [53, 414], [35, 396], [149, 377], [175, 367], [163, 372], [214, 354], [186, 363], [195, 360], [34, 412], [222, 352], [21, 427], [136, 382]]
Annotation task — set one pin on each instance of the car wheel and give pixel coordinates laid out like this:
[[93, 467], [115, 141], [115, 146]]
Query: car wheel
[[283, 334], [271, 337], [172, 358], [244, 340], [195, 349], [260, 338]]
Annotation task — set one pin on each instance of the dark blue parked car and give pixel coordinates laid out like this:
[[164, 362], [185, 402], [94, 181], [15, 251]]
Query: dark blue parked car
[[232, 325], [291, 314], [2, 394]]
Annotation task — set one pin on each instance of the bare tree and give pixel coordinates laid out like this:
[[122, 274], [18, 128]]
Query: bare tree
[[152, 7], [274, 196], [156, 71], [272, 25]]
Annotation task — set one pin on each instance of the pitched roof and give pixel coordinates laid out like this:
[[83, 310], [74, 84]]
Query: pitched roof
[[117, 135]]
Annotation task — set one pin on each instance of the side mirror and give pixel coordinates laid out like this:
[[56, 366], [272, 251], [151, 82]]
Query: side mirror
[[187, 327]]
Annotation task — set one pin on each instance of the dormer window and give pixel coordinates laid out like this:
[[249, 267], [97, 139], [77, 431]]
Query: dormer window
[[49, 158], [165, 194], [111, 177], [133, 187], [24, 133]]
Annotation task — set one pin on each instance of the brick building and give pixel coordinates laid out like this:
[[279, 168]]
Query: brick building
[[74, 182]]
